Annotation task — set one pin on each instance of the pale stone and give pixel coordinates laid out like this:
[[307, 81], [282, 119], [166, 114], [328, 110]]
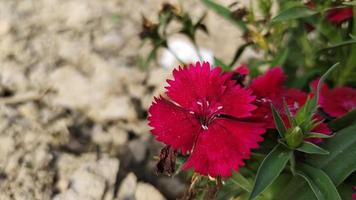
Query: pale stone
[[128, 187], [146, 191]]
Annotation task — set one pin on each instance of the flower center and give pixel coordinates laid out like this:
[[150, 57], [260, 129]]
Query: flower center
[[206, 112]]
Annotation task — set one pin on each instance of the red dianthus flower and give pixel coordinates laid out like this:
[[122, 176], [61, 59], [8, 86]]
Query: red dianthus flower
[[337, 101], [203, 118], [339, 15], [269, 88]]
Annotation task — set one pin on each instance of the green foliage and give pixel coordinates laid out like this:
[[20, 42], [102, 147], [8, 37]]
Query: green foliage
[[311, 148], [320, 183], [341, 161], [270, 169], [294, 13]]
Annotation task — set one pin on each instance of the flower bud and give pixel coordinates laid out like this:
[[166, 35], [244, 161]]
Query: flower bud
[[294, 137]]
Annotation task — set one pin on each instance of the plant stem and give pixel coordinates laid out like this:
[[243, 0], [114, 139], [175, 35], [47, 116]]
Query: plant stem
[[351, 62], [176, 56]]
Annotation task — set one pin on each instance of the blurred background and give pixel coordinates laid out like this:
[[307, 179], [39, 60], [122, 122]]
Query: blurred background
[[74, 93]]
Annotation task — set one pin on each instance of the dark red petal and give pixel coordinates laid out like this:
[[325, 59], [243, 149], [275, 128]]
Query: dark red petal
[[270, 84], [339, 15], [173, 125], [339, 101], [223, 147], [237, 101], [196, 82], [242, 69]]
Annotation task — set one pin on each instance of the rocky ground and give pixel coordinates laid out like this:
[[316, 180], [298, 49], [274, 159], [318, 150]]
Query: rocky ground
[[73, 101]]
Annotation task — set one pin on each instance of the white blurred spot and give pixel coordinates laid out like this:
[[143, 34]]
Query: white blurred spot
[[185, 51]]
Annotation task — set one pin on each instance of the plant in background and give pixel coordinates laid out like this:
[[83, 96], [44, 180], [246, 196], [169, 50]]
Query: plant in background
[[240, 133]]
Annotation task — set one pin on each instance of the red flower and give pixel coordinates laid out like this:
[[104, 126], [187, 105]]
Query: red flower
[[337, 101], [339, 15], [269, 88], [203, 119], [242, 69]]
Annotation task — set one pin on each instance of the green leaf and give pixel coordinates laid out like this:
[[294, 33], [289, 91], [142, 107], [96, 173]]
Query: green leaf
[[351, 3], [238, 53], [344, 121], [317, 135], [218, 62], [341, 161], [280, 59], [292, 164], [289, 115], [338, 164], [294, 13], [322, 79], [305, 114], [340, 44], [345, 191], [224, 12], [308, 147], [270, 169], [320, 183], [278, 121], [296, 189], [241, 181]]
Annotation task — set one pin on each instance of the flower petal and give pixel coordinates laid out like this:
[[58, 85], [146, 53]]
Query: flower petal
[[269, 84], [339, 15], [173, 125], [339, 101], [194, 83], [237, 101], [223, 147]]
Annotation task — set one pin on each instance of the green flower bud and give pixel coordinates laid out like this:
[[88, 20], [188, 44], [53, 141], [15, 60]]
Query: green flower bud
[[294, 137]]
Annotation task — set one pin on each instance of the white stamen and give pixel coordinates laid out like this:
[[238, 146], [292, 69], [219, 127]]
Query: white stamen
[[219, 107], [191, 112], [204, 127], [199, 103], [207, 103]]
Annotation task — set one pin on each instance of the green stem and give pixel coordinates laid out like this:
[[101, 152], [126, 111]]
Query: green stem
[[351, 62], [197, 49], [176, 56]]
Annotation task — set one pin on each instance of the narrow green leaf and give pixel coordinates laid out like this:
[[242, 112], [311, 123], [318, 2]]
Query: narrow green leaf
[[340, 44], [238, 53], [281, 128], [224, 12], [317, 135], [294, 13], [341, 161], [280, 59], [338, 164], [270, 169], [345, 190], [343, 121], [351, 3], [320, 183], [297, 189], [289, 115], [241, 181], [292, 163], [322, 79], [218, 62], [308, 147]]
